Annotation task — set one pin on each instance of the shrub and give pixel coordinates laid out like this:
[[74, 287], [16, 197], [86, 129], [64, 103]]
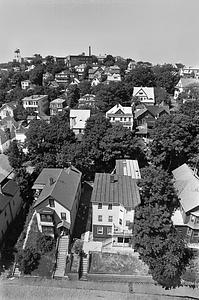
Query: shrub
[[28, 260], [45, 244]]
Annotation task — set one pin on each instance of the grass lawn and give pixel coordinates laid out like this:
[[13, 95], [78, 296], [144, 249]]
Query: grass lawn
[[116, 263]]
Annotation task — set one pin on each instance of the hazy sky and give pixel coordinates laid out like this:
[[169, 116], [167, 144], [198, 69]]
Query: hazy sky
[[149, 30]]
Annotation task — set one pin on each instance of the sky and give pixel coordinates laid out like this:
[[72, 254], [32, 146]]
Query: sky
[[158, 31]]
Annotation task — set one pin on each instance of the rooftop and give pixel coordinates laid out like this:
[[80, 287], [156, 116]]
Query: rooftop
[[187, 186], [119, 109], [128, 167], [148, 91], [35, 97], [80, 114], [58, 100], [60, 184], [115, 189]]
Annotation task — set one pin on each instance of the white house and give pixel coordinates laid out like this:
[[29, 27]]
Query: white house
[[7, 109], [121, 114], [78, 118], [114, 198], [113, 77], [144, 94], [184, 85], [25, 84]]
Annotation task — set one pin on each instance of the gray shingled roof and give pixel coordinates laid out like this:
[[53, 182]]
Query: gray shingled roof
[[63, 187], [123, 190]]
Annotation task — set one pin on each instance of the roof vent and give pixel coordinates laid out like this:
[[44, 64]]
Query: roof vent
[[51, 180], [112, 179]]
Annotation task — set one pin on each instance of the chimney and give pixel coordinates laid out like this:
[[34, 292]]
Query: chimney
[[89, 51], [112, 180], [51, 180]]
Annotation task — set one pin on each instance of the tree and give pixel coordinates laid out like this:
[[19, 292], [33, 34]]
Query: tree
[[36, 75], [109, 95], [175, 140], [155, 237], [84, 87], [25, 182], [190, 108], [161, 96], [20, 113], [28, 260], [109, 60], [166, 76], [118, 143], [140, 76], [73, 95], [15, 155]]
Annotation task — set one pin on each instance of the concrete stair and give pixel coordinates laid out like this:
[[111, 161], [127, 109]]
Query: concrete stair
[[84, 267], [61, 257]]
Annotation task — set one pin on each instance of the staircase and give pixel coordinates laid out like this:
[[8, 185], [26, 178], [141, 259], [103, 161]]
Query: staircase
[[61, 256], [84, 267]]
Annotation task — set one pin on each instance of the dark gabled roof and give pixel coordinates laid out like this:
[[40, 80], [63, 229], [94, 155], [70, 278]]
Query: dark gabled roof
[[155, 110], [4, 200], [60, 184], [123, 190], [10, 188]]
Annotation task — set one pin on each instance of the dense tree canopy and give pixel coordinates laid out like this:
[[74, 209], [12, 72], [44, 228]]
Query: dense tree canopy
[[155, 237], [175, 140]]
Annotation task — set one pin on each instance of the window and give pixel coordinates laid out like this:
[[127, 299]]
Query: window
[[113, 119], [99, 230], [5, 213], [127, 223], [120, 221], [192, 218], [120, 240], [47, 229], [110, 206], [45, 218], [51, 203], [99, 205], [109, 230], [100, 218], [120, 119], [189, 231], [110, 218], [63, 216], [129, 119], [196, 233]]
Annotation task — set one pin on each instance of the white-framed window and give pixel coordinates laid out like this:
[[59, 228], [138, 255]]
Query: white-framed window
[[109, 231], [189, 231], [192, 218], [127, 223], [99, 230], [110, 218], [196, 233], [63, 216], [99, 218], [120, 221]]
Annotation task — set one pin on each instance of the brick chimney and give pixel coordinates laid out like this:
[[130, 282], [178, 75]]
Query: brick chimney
[[51, 180], [112, 179]]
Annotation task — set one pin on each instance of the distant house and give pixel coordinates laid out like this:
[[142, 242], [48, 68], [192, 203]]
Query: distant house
[[6, 137], [184, 85], [47, 78], [57, 106], [113, 77], [7, 109], [186, 219], [80, 70], [63, 78], [87, 100], [149, 114], [78, 118], [95, 72], [190, 72], [121, 114], [10, 204], [25, 84], [144, 94], [128, 167], [36, 104], [112, 70], [57, 195], [114, 199]]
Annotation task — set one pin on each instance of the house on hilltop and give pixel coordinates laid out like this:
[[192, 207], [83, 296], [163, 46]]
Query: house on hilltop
[[121, 114], [184, 85], [57, 195], [144, 94]]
